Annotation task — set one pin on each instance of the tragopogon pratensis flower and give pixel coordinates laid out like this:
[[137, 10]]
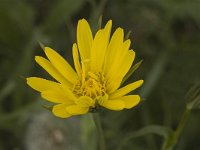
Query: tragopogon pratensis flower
[[100, 65]]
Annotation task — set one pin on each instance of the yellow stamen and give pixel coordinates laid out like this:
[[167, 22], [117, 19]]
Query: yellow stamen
[[92, 85]]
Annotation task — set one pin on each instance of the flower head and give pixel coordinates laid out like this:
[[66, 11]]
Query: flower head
[[100, 65]]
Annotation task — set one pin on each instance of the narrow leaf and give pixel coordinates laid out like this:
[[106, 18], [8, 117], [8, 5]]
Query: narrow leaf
[[47, 107], [100, 22], [128, 35], [41, 45], [131, 71]]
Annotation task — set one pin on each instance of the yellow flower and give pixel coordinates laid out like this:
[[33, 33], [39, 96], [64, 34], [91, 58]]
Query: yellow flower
[[98, 73]]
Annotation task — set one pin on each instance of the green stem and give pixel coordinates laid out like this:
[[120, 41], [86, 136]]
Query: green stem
[[181, 124], [97, 121], [172, 141]]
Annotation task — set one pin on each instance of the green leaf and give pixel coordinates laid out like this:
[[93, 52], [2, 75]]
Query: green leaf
[[193, 91], [41, 45], [193, 97], [128, 35], [131, 71], [47, 107], [100, 22]]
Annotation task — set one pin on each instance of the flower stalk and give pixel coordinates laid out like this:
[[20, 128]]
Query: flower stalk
[[172, 141], [97, 121], [193, 97], [181, 125]]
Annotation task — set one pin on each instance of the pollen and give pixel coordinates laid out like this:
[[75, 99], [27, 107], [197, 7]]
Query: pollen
[[93, 85]]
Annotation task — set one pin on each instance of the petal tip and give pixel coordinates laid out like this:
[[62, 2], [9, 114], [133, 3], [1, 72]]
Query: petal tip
[[141, 81], [46, 48], [38, 58], [109, 22], [82, 21]]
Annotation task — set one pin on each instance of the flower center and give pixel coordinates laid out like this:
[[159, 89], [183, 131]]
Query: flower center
[[93, 85]]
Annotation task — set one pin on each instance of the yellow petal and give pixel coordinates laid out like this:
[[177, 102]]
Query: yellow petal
[[57, 97], [99, 48], [130, 100], [52, 70], [61, 65], [126, 44], [123, 54], [84, 39], [85, 101], [68, 92], [107, 30], [60, 111], [119, 70], [76, 60], [40, 84], [113, 104], [113, 48], [101, 99], [77, 110], [125, 90], [127, 63], [118, 60]]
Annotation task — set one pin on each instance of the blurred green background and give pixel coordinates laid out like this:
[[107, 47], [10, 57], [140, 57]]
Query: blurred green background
[[165, 34]]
